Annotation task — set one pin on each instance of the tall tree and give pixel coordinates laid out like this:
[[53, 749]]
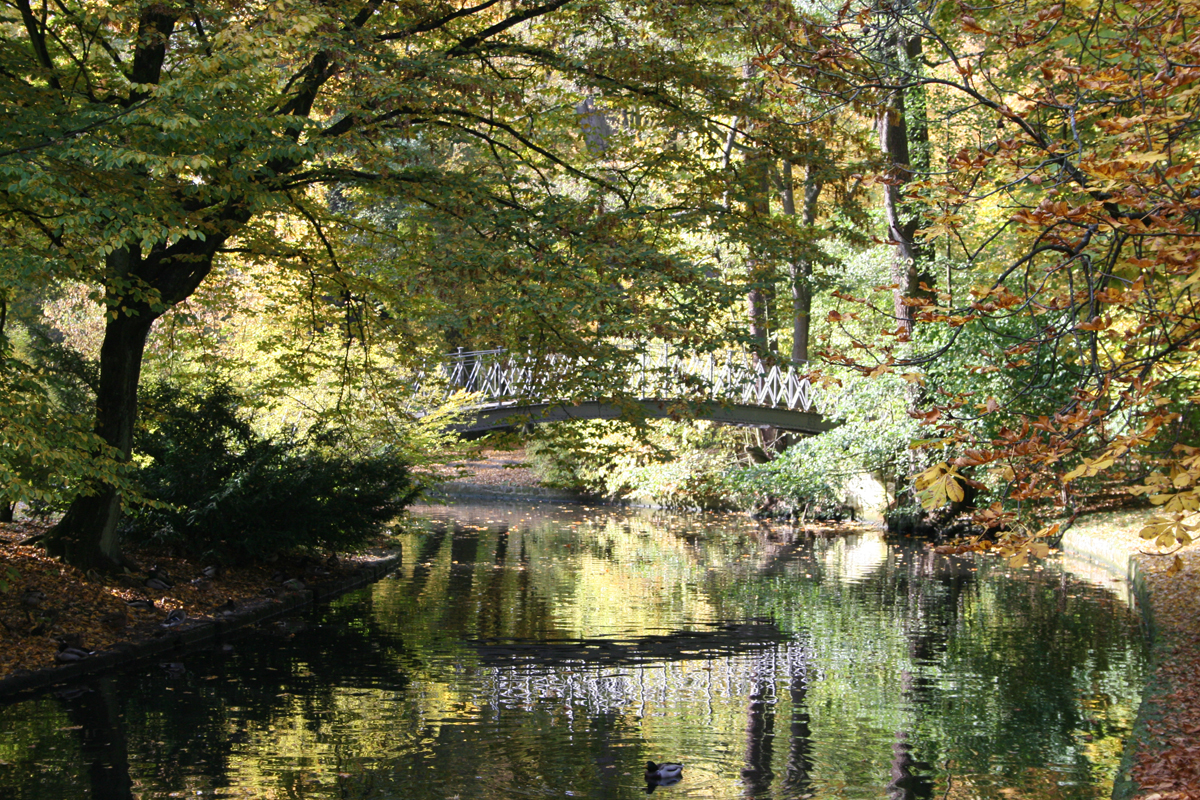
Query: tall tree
[[904, 147], [800, 269], [1066, 155], [793, 129]]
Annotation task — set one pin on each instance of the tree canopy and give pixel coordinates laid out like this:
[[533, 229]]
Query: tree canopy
[[570, 177], [523, 169], [1047, 157]]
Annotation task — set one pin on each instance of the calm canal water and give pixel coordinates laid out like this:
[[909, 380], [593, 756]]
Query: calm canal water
[[551, 652]]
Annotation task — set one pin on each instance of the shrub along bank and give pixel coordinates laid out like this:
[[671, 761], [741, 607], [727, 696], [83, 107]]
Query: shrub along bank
[[222, 492], [704, 466]]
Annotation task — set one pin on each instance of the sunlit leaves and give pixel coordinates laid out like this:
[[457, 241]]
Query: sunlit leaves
[[1019, 553], [1015, 543], [1177, 490], [402, 174], [1068, 213], [939, 485], [1089, 468], [47, 454], [1168, 531]]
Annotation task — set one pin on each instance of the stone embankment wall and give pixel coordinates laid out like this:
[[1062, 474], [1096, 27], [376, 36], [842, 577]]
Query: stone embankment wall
[[1159, 749]]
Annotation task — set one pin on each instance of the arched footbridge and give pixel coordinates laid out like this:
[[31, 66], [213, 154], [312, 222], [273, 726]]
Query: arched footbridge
[[511, 389]]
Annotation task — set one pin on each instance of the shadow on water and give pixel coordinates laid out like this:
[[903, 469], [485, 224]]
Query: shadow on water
[[521, 652], [94, 711]]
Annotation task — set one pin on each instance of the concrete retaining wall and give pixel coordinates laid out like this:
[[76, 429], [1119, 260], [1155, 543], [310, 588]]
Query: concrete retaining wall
[[1098, 555]]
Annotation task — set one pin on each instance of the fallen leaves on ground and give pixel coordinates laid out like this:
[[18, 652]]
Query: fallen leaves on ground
[[491, 467], [51, 612]]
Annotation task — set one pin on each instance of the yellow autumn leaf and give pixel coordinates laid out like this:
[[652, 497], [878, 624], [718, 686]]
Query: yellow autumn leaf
[[954, 490], [1049, 530], [1144, 158], [930, 475], [1004, 473], [1153, 527]]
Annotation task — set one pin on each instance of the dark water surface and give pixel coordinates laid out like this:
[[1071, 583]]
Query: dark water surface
[[551, 652]]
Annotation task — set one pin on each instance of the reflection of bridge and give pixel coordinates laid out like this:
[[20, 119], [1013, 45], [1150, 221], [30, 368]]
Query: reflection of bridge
[[514, 389], [767, 669]]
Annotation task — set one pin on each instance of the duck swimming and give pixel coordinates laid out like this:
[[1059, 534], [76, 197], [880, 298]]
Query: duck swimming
[[663, 774]]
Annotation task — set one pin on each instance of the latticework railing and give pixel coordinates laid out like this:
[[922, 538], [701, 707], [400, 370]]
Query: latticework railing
[[500, 377], [770, 671]]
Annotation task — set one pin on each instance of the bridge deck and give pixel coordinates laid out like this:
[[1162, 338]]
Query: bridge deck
[[499, 417], [514, 390]]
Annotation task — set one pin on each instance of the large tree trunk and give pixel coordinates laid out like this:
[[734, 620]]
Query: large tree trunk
[[87, 534], [897, 143], [800, 269]]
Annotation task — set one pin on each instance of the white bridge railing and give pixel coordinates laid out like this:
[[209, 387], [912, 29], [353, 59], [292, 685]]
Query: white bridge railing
[[501, 377]]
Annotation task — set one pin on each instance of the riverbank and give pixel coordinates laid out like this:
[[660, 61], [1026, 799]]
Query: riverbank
[[1163, 758], [58, 625]]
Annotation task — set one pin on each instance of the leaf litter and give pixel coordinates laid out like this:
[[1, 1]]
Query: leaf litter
[[52, 613]]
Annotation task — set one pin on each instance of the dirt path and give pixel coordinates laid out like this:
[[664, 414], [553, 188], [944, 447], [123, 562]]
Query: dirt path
[[496, 468]]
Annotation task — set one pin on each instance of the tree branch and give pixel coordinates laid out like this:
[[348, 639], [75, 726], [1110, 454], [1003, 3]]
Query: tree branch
[[467, 44], [37, 39], [433, 23]]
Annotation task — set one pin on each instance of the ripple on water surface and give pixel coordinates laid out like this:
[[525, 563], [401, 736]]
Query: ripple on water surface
[[535, 652]]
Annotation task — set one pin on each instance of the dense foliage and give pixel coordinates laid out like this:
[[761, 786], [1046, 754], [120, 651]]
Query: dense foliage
[[225, 493], [416, 173], [48, 451], [702, 466], [661, 464], [1060, 187], [813, 476], [995, 204]]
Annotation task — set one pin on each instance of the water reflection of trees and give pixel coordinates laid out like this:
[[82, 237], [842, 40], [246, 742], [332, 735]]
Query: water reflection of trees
[[1024, 648], [912, 617], [602, 643]]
